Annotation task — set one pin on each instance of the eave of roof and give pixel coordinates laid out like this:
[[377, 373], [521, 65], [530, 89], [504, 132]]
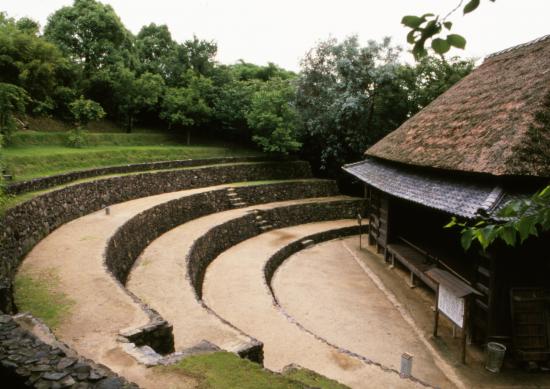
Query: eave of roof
[[456, 195]]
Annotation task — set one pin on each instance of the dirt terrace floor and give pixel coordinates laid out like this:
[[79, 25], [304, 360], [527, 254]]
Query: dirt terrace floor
[[234, 287]]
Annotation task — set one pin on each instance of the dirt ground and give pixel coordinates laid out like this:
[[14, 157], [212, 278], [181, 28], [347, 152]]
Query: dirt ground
[[235, 288], [355, 314]]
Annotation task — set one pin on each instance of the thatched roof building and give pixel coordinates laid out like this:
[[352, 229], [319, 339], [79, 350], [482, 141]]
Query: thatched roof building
[[482, 124], [480, 144]]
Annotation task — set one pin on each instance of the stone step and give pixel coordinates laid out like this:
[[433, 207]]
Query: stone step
[[261, 222], [266, 227], [231, 189], [236, 199], [232, 194], [240, 204]]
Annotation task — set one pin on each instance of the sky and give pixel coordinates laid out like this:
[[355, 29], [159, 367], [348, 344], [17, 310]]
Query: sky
[[282, 31]]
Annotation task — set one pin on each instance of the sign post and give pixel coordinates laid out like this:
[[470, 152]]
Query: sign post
[[453, 301]]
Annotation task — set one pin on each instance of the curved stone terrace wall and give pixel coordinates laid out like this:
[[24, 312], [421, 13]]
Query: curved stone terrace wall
[[28, 362], [60, 179], [129, 241], [222, 237], [134, 236], [24, 225]]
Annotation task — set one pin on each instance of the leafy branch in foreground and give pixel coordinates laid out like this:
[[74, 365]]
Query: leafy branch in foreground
[[430, 27], [520, 219]]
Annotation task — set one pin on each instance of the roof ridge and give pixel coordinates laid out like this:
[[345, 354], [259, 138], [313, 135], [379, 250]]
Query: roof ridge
[[516, 47]]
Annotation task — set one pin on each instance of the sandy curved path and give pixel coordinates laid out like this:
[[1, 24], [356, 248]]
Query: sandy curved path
[[355, 313], [74, 253], [234, 287], [159, 279]]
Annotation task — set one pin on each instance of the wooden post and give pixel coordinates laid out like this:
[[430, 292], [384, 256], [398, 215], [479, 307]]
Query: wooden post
[[436, 314], [359, 221], [465, 329]]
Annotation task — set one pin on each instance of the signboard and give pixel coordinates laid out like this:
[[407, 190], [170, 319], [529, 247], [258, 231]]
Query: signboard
[[451, 306]]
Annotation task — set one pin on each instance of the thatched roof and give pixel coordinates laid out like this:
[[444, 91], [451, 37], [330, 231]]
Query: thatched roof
[[484, 122]]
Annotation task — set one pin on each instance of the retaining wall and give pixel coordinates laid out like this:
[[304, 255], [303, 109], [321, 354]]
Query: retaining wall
[[24, 225], [27, 362], [221, 237], [129, 241]]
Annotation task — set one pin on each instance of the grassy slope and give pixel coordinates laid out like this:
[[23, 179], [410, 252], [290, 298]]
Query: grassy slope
[[37, 161], [223, 370], [38, 295]]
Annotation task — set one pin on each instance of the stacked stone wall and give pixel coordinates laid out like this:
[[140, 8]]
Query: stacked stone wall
[[24, 225]]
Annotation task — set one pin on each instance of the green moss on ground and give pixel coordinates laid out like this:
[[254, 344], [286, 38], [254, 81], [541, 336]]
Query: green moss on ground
[[38, 295], [312, 379], [223, 370]]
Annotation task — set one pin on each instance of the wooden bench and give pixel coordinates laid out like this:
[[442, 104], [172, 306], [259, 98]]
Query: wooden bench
[[414, 259]]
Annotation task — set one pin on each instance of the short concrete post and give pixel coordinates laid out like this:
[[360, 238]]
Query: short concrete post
[[406, 365], [107, 211]]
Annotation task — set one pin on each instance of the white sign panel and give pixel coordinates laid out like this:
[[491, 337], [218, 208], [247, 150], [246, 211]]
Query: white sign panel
[[451, 306]]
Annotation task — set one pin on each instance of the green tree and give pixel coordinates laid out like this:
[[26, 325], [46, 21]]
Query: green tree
[[188, 106], [273, 118], [199, 55], [30, 62], [430, 77], [155, 50], [13, 100], [91, 33], [135, 94], [85, 110], [248, 71], [348, 97]]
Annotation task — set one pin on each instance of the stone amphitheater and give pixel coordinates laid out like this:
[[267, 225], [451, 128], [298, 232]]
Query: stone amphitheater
[[167, 260]]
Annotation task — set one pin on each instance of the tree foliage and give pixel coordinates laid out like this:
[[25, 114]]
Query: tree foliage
[[85, 110], [91, 33], [516, 221], [272, 117], [351, 96], [344, 92], [188, 106], [13, 100], [28, 61], [430, 28]]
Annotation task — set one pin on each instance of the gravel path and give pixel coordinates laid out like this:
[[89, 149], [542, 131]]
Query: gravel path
[[355, 313], [234, 287]]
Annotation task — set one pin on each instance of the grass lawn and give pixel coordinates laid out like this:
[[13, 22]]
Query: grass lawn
[[224, 370], [36, 161], [37, 295]]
